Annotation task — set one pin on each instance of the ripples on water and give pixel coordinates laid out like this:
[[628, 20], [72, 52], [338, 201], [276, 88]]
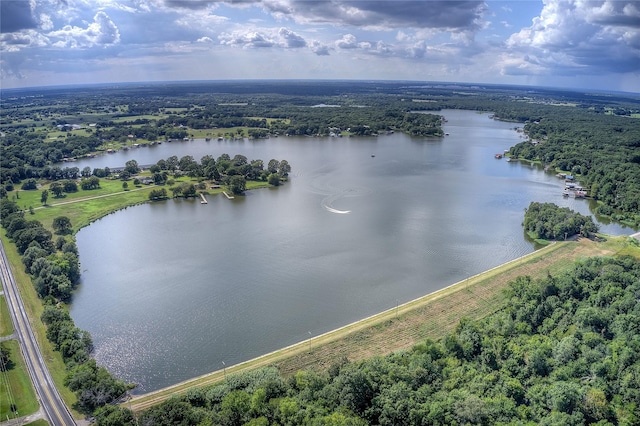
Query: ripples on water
[[173, 289]]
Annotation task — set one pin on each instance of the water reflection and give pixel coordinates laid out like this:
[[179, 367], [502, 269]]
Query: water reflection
[[172, 289]]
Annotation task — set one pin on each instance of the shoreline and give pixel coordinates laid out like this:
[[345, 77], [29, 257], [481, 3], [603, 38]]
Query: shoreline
[[143, 401]]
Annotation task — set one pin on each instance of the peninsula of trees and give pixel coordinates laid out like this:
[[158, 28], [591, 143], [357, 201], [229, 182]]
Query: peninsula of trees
[[549, 222], [593, 136]]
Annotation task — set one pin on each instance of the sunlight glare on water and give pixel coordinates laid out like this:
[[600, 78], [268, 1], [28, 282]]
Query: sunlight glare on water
[[170, 290]]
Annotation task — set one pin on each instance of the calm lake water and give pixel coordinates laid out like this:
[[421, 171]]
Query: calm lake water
[[171, 290]]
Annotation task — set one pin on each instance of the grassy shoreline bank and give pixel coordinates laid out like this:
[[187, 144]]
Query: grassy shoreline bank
[[401, 327]]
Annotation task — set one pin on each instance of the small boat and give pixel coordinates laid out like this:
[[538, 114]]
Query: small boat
[[498, 156], [373, 155]]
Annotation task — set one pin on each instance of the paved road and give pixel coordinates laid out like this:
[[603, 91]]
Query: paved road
[[51, 403]]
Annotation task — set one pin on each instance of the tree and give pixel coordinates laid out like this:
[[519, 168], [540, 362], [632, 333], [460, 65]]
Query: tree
[[70, 186], [29, 184], [57, 189], [44, 197], [160, 178], [239, 160], [237, 184], [189, 190], [284, 168], [186, 163], [92, 182], [113, 415], [273, 166], [86, 172], [158, 194], [26, 236], [132, 167], [172, 163], [61, 224], [5, 358], [548, 221], [125, 185], [235, 408], [274, 179]]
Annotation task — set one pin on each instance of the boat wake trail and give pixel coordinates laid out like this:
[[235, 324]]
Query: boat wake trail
[[333, 190], [328, 201]]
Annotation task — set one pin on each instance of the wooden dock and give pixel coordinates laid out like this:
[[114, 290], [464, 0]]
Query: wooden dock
[[204, 200], [227, 195]]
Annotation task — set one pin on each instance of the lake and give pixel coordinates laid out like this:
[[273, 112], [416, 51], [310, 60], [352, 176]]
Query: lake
[[171, 290]]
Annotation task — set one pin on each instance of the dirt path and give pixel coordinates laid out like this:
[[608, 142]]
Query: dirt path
[[431, 316], [79, 200]]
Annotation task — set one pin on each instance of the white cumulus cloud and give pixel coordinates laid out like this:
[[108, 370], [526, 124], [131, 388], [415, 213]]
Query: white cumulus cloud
[[318, 48], [348, 41], [574, 37], [249, 39], [291, 39], [101, 32]]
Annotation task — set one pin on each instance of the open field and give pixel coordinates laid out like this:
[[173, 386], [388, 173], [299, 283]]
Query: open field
[[429, 317], [85, 206], [6, 324], [15, 387]]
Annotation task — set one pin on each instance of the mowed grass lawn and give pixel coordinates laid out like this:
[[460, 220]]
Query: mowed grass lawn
[[81, 207], [86, 206], [6, 323], [16, 390]]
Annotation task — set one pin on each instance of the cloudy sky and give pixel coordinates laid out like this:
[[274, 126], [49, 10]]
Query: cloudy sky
[[556, 43]]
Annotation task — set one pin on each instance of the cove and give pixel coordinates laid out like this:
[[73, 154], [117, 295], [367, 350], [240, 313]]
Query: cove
[[171, 290]]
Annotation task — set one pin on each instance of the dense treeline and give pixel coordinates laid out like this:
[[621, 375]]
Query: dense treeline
[[603, 150], [26, 151], [232, 172], [550, 222], [565, 350], [93, 385], [55, 272], [591, 135]]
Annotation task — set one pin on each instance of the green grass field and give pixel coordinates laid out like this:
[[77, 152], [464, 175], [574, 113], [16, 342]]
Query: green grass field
[[6, 323], [16, 390], [83, 207]]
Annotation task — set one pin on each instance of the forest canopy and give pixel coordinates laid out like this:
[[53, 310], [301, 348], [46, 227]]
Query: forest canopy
[[550, 222]]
